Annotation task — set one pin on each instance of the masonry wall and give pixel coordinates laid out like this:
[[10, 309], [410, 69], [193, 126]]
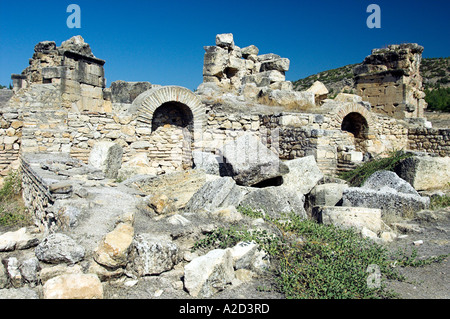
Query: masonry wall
[[430, 140], [10, 137], [34, 121]]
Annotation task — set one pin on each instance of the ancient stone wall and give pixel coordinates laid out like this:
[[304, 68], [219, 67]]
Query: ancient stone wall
[[389, 79], [159, 127], [72, 68], [430, 140], [256, 77], [10, 137]]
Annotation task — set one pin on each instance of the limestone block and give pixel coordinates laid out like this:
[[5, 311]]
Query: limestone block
[[345, 97], [208, 274], [20, 239], [347, 217], [225, 40], [303, 174], [327, 194], [274, 201], [382, 179], [393, 203], [249, 161], [250, 50], [115, 246], [73, 286], [281, 65], [425, 172], [154, 254], [59, 248], [214, 194], [91, 91], [215, 61], [106, 156]]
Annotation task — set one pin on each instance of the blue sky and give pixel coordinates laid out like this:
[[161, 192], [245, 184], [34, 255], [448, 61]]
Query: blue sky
[[162, 41]]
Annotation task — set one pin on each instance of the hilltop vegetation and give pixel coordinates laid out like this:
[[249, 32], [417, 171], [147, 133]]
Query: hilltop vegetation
[[335, 80]]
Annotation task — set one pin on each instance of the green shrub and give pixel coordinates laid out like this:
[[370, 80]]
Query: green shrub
[[437, 202], [439, 98], [357, 176], [311, 260], [12, 210]]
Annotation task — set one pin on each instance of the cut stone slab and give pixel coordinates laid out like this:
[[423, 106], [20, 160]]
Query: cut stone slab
[[20, 239], [303, 174], [347, 217], [208, 274], [250, 162], [327, 194], [274, 201], [390, 201], [73, 286], [222, 192], [113, 250], [106, 156], [225, 40], [425, 172], [210, 163]]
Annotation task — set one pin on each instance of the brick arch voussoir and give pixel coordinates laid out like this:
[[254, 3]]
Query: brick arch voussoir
[[348, 108], [147, 103]]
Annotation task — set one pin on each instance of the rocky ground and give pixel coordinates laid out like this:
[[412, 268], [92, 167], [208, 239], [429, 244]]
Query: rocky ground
[[137, 239], [429, 281], [425, 282]]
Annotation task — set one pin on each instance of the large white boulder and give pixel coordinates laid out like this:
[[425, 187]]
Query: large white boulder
[[425, 172], [303, 174], [249, 161], [106, 156], [210, 273]]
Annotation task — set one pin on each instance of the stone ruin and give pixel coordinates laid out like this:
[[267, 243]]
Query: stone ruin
[[259, 78], [148, 168], [389, 79]]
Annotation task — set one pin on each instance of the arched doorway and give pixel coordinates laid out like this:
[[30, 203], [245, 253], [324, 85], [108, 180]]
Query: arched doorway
[[176, 117], [172, 113], [356, 124]]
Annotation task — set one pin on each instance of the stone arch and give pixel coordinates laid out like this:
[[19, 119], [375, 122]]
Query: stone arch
[[176, 117], [355, 112], [149, 101]]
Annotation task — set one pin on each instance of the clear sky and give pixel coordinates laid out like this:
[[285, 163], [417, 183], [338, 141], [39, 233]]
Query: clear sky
[[162, 41]]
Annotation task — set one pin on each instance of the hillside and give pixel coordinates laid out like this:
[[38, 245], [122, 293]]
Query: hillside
[[335, 80], [435, 73]]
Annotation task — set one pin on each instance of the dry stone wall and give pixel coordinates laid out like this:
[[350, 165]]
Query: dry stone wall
[[431, 140]]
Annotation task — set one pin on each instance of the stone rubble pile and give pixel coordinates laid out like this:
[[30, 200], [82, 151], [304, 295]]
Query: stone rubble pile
[[103, 232], [244, 72]]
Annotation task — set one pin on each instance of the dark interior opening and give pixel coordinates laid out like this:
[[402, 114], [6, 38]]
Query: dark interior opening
[[275, 181], [172, 113], [356, 124]]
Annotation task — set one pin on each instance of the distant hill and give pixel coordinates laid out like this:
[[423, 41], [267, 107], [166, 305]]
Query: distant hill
[[335, 80], [435, 72]]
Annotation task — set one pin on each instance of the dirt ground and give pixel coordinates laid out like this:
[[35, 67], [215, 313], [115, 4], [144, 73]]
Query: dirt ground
[[430, 281]]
